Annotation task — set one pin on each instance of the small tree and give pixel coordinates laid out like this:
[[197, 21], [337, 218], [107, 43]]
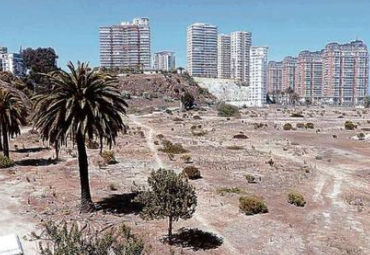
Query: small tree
[[171, 196], [187, 101]]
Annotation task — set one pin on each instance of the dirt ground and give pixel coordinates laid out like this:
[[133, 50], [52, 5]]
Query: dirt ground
[[325, 164]]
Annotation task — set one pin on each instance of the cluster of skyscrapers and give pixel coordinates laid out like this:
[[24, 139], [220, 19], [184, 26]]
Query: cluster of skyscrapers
[[129, 45], [227, 56], [337, 74], [11, 62]]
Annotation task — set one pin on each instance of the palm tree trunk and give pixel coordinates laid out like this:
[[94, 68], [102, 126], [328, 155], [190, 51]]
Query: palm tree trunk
[[86, 203], [101, 144], [5, 140], [57, 150]]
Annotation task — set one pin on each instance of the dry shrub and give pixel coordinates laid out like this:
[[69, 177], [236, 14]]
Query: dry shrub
[[309, 125], [5, 162], [226, 110], [300, 125], [287, 126], [296, 115], [170, 148], [192, 172], [250, 178], [109, 157], [251, 205], [296, 199], [234, 147], [240, 136], [349, 125]]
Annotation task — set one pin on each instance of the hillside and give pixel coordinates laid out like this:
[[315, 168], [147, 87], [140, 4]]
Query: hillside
[[159, 86]]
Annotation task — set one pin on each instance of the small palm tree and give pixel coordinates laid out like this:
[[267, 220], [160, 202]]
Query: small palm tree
[[83, 104], [12, 116]]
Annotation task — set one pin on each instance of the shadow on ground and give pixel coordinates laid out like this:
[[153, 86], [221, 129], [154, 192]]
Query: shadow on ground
[[196, 239], [31, 150], [120, 204], [36, 162]]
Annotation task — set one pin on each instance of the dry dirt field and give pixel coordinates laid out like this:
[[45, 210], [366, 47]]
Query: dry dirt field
[[325, 164]]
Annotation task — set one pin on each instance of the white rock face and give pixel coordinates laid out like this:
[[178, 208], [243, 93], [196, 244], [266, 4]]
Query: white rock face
[[227, 90]]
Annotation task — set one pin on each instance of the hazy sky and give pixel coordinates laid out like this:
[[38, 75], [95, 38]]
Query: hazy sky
[[286, 26]]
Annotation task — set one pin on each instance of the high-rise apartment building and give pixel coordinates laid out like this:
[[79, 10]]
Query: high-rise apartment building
[[13, 63], [345, 72], [258, 75], [274, 76], [240, 55], [288, 73], [126, 45], [202, 50], [164, 61], [3, 50], [309, 75], [224, 56]]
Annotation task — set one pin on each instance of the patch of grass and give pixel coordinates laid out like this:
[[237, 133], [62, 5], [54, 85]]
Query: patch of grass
[[234, 147], [251, 205], [234, 190], [5, 162], [296, 199]]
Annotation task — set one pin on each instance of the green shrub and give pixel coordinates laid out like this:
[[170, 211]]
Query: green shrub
[[5, 162], [250, 178], [62, 238], [226, 110], [170, 148], [126, 94], [309, 125], [192, 172], [251, 205], [109, 157], [296, 199], [287, 126], [349, 125]]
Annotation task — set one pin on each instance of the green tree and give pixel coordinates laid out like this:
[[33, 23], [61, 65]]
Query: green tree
[[84, 103], [170, 196], [12, 115], [38, 61]]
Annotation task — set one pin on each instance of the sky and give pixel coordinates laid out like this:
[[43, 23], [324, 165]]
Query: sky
[[71, 27]]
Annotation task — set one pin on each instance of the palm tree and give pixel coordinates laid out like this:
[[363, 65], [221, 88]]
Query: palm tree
[[84, 104], [12, 116]]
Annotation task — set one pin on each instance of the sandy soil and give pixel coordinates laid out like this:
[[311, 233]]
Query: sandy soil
[[331, 172]]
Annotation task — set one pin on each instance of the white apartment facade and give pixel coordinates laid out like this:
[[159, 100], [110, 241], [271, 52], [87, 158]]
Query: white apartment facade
[[241, 42], [224, 56], [13, 63], [126, 45], [258, 76], [164, 61], [202, 50]]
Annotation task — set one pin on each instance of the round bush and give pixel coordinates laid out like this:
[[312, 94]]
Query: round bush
[[192, 172], [252, 205]]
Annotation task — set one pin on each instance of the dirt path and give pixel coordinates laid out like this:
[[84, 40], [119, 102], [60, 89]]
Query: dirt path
[[150, 142]]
